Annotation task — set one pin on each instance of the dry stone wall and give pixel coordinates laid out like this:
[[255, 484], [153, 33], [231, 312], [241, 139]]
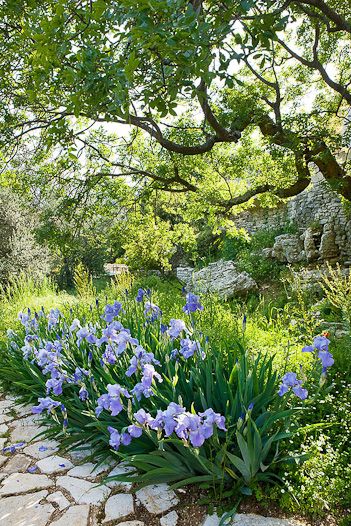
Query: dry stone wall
[[318, 207]]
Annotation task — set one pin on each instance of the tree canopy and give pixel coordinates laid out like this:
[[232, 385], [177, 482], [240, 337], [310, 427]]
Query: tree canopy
[[191, 78]]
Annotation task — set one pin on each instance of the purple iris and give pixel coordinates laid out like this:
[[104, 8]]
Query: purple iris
[[321, 346], [176, 327], [112, 311], [195, 428], [140, 295], [189, 347], [111, 401], [290, 380], [326, 358], [45, 404], [192, 303], [83, 393], [152, 312]]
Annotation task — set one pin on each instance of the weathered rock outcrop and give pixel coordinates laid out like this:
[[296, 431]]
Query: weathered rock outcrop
[[221, 277], [288, 248]]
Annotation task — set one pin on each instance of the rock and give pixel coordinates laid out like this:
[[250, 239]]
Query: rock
[[2, 443], [25, 510], [17, 464], [54, 464], [157, 498], [59, 499], [118, 506], [131, 523], [3, 429], [223, 278], [266, 252], [89, 470], [23, 410], [82, 491], [26, 433], [288, 248], [24, 482], [185, 274], [328, 248], [5, 418], [5, 406], [3, 459], [119, 470], [309, 245], [80, 454], [42, 449], [75, 516], [31, 420], [251, 519], [171, 519]]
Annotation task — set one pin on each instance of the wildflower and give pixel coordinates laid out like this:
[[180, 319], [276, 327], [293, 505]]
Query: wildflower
[[244, 323], [13, 447], [75, 325], [192, 303], [55, 385], [111, 401], [326, 358], [86, 333], [140, 295], [152, 312], [189, 347], [140, 358], [290, 380], [53, 318], [135, 431], [112, 311], [115, 438], [176, 327], [45, 404], [195, 428], [83, 393]]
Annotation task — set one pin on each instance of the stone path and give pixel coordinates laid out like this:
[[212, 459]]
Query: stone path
[[40, 487]]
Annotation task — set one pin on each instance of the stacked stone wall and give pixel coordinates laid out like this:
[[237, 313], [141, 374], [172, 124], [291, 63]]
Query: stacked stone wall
[[318, 206]]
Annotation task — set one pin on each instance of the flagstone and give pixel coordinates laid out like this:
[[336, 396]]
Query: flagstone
[[157, 498], [89, 470], [17, 463], [42, 449], [59, 499], [23, 483], [26, 433], [74, 516], [118, 506], [25, 510], [54, 464], [82, 491]]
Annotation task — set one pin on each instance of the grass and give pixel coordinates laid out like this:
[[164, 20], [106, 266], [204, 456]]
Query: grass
[[279, 326]]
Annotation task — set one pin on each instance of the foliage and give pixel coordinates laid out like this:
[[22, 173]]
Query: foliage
[[19, 250], [336, 284], [83, 282], [237, 65], [237, 420], [247, 253]]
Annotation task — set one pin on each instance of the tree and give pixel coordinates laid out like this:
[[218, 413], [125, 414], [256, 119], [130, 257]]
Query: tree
[[66, 66], [19, 250]]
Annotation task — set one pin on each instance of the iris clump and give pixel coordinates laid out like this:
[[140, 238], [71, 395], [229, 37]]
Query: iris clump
[[158, 393]]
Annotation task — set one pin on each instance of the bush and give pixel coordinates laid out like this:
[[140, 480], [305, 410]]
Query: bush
[[247, 253], [163, 398], [19, 251]]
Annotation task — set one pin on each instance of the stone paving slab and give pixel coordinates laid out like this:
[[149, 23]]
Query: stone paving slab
[[40, 487], [74, 516], [25, 510]]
